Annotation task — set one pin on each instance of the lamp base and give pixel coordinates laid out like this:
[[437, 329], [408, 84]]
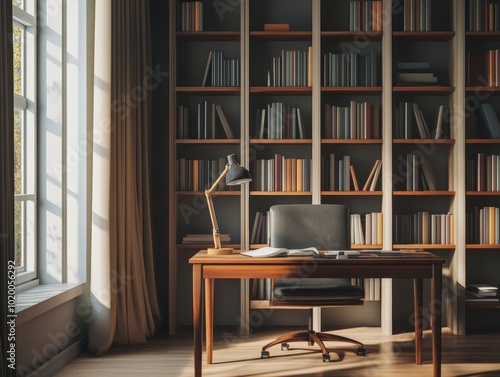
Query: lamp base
[[221, 251]]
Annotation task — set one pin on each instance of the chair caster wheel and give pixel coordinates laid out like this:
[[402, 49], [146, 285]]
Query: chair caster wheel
[[285, 346], [361, 351], [326, 357], [265, 355]]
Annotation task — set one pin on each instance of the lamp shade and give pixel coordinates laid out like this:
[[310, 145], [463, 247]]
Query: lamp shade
[[237, 174]]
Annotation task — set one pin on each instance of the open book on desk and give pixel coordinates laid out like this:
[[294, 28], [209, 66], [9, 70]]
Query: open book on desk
[[269, 252]]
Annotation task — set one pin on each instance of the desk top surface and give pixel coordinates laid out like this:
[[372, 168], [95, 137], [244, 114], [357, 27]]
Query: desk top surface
[[406, 258]]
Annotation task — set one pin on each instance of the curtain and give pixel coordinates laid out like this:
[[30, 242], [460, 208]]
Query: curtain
[[6, 173], [123, 294]]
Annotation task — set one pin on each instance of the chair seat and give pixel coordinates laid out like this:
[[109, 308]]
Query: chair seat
[[312, 294]]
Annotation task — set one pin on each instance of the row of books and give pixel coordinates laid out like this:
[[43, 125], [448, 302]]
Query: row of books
[[481, 292], [260, 228], [279, 121], [221, 71], [371, 287], [260, 289], [366, 229], [417, 172], [483, 226], [417, 15], [483, 68], [483, 172], [350, 69], [199, 175], [339, 172], [190, 16], [204, 238], [410, 122], [291, 68], [281, 174], [482, 15], [424, 228], [359, 120], [208, 117], [365, 15]]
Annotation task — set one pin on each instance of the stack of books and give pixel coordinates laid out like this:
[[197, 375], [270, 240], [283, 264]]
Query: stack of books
[[415, 73], [204, 238], [481, 292]]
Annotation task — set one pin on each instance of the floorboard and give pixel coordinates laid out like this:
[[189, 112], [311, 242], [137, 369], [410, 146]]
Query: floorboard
[[475, 355]]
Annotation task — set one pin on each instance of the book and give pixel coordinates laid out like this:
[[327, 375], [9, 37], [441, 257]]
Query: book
[[490, 120], [269, 252], [420, 121], [354, 179], [207, 69], [370, 176], [439, 122], [481, 288], [276, 27], [225, 123]]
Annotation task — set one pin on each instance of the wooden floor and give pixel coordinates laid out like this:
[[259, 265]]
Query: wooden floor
[[463, 356]]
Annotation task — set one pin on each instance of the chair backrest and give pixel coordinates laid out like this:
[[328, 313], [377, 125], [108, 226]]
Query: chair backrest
[[324, 226]]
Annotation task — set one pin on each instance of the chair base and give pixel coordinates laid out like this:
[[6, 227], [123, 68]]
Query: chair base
[[311, 337]]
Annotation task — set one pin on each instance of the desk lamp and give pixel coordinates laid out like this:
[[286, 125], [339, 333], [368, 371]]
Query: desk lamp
[[235, 175]]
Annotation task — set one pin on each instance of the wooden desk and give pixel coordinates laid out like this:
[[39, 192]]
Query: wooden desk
[[413, 265]]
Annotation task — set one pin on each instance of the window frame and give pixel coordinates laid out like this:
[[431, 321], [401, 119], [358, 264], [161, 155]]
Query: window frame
[[26, 103]]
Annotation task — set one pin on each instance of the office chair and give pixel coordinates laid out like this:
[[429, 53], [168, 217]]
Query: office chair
[[326, 227]]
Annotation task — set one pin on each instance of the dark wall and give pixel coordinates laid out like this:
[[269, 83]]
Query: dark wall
[[159, 13]]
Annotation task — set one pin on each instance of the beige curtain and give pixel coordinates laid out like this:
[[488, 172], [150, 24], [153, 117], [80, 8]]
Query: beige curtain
[[123, 294], [6, 173]]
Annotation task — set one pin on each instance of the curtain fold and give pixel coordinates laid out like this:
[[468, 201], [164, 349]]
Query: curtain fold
[[6, 174], [123, 292]]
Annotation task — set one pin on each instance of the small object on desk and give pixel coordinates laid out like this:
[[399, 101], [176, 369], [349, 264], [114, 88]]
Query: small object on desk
[[269, 252], [339, 254]]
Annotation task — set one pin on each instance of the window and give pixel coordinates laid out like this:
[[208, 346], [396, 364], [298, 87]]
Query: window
[[24, 46]]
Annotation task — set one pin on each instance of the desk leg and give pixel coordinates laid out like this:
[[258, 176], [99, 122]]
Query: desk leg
[[436, 312], [209, 317], [418, 295], [197, 317]]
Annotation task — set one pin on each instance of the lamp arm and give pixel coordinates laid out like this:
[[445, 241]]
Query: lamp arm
[[208, 195]]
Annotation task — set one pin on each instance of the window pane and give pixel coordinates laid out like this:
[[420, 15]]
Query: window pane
[[18, 151], [18, 227], [18, 35]]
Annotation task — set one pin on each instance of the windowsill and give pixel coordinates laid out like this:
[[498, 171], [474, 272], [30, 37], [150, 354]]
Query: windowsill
[[42, 298]]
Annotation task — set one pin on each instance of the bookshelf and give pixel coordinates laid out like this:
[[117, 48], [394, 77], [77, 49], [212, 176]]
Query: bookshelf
[[320, 29]]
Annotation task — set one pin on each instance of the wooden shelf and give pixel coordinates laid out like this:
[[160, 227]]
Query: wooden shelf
[[483, 89], [215, 193], [207, 141], [473, 246], [482, 141], [281, 141], [208, 89], [423, 246], [432, 90], [351, 141], [280, 193], [482, 193], [282, 35], [353, 35], [482, 305], [365, 247], [375, 90], [423, 193], [209, 35], [423, 141], [283, 90], [351, 193], [486, 35], [424, 35]]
